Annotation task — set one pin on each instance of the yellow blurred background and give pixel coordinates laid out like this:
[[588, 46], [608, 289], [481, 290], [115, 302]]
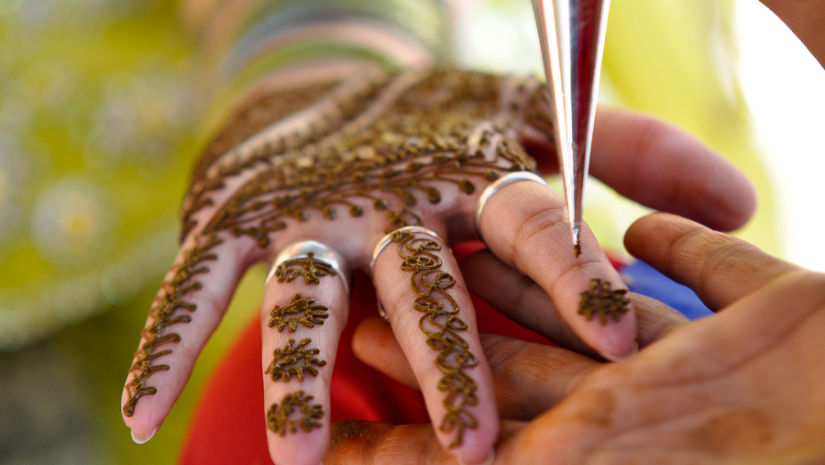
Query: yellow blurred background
[[98, 129]]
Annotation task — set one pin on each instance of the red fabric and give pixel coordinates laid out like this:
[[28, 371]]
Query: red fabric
[[228, 424]]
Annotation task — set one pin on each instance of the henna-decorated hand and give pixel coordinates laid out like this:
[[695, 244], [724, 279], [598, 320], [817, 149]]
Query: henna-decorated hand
[[742, 386], [342, 160]]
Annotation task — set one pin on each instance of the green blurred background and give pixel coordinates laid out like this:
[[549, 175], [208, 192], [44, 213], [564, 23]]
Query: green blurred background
[[99, 105]]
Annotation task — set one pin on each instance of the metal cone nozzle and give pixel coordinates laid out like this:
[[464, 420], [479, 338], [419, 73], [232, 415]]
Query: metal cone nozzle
[[571, 33]]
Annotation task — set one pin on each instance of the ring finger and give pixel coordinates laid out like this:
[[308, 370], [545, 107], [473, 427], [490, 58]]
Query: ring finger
[[430, 311], [304, 312]]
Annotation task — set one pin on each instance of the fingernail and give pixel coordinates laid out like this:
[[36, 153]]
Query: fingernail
[[489, 461], [139, 440], [622, 356]]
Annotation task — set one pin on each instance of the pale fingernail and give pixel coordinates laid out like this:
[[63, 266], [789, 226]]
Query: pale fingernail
[[489, 461], [622, 356], [144, 440]]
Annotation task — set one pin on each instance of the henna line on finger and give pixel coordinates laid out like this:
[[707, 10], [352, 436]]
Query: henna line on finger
[[441, 324]]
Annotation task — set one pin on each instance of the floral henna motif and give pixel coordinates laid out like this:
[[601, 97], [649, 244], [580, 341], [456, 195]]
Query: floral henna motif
[[294, 360], [441, 324], [301, 310], [603, 301], [280, 420], [309, 267], [369, 143]]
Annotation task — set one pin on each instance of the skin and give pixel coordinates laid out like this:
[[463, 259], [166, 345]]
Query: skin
[[741, 386], [627, 146]]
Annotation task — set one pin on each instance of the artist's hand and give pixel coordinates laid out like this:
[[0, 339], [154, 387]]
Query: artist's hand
[[343, 163], [742, 386], [805, 18]]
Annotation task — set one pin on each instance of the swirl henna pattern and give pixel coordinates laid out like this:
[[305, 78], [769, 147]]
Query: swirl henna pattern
[[280, 419], [441, 324], [294, 360], [363, 142]]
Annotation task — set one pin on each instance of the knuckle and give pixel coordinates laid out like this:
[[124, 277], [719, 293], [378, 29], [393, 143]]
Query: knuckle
[[395, 447], [500, 352], [720, 259], [534, 222]]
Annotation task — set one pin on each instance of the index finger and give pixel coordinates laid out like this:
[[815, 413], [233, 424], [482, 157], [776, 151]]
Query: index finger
[[718, 267], [524, 225]]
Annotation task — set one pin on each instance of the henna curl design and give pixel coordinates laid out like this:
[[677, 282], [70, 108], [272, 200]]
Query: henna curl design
[[278, 416], [441, 324], [301, 310], [294, 360]]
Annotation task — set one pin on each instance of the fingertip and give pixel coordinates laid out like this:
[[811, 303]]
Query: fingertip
[[491, 457], [622, 355], [140, 437], [615, 340], [666, 168], [370, 335], [651, 232], [734, 201], [477, 449]]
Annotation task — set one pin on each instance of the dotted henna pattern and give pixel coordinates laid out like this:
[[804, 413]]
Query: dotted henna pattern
[[301, 310], [310, 268], [603, 301], [365, 142], [280, 419], [441, 324], [294, 360]]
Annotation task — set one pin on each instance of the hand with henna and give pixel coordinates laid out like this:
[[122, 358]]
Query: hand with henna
[[742, 386], [343, 159]]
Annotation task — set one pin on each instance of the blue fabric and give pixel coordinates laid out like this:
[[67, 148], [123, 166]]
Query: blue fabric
[[647, 281]]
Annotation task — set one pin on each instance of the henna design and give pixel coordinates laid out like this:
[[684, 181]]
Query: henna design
[[294, 360], [345, 430], [331, 113], [166, 311], [369, 142], [603, 301], [399, 219], [278, 417], [441, 324], [299, 310], [309, 267]]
